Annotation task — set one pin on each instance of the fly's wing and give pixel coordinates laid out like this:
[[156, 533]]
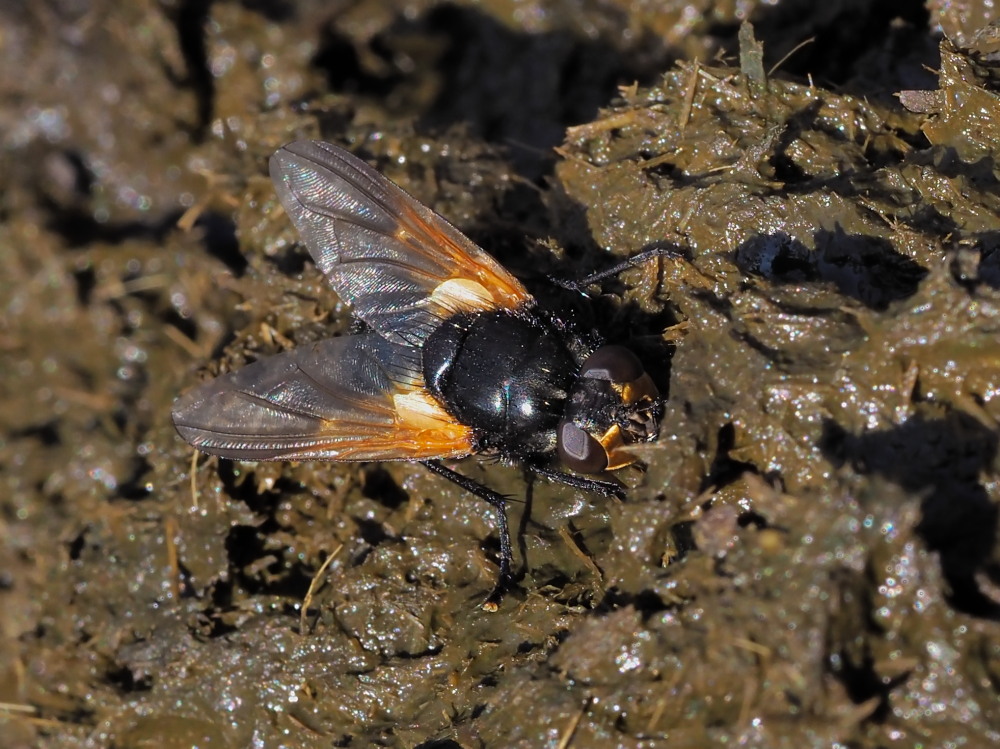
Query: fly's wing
[[402, 267], [350, 398]]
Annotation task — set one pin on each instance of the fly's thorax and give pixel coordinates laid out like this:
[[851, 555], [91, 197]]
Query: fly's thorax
[[507, 375]]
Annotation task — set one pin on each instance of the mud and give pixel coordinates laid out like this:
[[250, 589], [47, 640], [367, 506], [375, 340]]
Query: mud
[[810, 556]]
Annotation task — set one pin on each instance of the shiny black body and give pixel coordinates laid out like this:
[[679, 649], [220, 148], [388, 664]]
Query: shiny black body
[[506, 375]]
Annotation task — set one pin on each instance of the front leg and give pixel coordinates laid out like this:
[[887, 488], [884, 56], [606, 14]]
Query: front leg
[[605, 488], [651, 252]]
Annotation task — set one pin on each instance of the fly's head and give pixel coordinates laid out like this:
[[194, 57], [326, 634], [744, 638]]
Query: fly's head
[[613, 404]]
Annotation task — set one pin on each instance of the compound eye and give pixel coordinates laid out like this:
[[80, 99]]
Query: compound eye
[[579, 451], [614, 363]]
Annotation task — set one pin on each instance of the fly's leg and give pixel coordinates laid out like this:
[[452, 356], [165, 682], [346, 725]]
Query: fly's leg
[[651, 253], [499, 503], [605, 488]]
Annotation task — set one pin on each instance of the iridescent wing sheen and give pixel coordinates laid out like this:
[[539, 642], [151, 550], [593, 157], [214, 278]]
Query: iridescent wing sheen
[[402, 267], [351, 398]]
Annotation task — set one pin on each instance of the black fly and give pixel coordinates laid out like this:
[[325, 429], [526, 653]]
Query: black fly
[[459, 359]]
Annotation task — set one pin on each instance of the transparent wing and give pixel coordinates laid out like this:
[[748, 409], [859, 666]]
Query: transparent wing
[[402, 267], [350, 398]]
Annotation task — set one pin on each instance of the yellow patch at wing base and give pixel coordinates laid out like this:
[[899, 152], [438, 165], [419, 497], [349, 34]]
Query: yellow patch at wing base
[[418, 409], [462, 295], [424, 429]]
